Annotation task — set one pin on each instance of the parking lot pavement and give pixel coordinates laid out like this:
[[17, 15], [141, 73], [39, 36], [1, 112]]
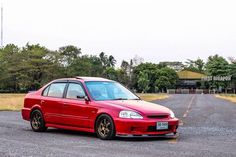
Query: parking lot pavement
[[208, 128]]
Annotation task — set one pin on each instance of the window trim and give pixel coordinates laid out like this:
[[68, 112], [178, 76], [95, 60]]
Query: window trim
[[47, 91], [66, 88], [66, 83], [75, 82], [113, 82]]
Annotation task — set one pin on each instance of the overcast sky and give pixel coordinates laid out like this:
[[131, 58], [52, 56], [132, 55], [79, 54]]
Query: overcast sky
[[157, 30]]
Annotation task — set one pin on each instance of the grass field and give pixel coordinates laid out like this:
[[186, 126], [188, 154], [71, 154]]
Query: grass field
[[230, 97], [14, 102], [151, 96], [11, 102]]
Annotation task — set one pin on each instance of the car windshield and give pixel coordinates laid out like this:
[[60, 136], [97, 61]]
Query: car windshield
[[106, 90]]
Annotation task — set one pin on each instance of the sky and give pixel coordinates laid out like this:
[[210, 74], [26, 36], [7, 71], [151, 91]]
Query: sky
[[156, 30]]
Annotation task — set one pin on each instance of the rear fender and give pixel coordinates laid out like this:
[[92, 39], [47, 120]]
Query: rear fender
[[36, 107]]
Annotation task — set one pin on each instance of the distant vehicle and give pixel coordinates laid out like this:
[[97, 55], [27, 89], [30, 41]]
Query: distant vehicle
[[96, 105]]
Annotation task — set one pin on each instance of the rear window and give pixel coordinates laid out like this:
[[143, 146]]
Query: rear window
[[45, 92], [56, 90]]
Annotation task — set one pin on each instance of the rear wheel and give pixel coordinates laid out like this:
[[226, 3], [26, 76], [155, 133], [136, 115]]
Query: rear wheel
[[105, 128], [37, 121]]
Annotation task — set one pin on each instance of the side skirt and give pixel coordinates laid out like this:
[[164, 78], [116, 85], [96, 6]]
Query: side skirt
[[70, 127]]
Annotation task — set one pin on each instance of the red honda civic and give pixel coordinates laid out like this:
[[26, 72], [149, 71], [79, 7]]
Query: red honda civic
[[96, 105]]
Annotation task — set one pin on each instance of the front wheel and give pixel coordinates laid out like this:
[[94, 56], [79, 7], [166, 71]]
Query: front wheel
[[37, 121], [105, 127]]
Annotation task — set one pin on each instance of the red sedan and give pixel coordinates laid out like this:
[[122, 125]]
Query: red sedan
[[97, 105]]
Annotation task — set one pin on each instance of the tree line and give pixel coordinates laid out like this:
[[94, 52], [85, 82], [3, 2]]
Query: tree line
[[28, 68]]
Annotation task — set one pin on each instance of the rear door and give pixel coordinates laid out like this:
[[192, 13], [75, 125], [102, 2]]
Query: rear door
[[51, 102]]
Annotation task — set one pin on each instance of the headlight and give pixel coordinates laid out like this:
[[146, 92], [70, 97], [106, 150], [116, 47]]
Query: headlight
[[172, 115], [130, 114]]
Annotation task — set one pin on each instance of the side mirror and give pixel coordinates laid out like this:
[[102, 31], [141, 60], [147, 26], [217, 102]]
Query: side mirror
[[83, 97], [86, 98]]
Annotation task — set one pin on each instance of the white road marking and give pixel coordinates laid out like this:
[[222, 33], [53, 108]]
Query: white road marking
[[189, 107]]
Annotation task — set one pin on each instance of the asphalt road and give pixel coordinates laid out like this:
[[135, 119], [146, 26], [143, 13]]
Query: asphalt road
[[208, 128]]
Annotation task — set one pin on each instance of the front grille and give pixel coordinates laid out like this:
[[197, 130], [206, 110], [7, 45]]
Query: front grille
[[158, 116]]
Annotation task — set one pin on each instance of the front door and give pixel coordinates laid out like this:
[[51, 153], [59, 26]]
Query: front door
[[76, 111]]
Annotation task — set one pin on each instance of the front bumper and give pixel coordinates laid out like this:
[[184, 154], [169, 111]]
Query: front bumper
[[144, 126]]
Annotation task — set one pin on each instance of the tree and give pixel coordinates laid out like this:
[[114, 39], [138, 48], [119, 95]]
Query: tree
[[124, 65], [126, 73], [233, 71], [169, 75], [35, 66], [107, 61], [103, 59], [143, 82], [25, 69], [195, 65], [111, 61], [86, 66], [122, 77], [111, 73], [177, 66], [156, 74], [162, 83], [30, 67], [9, 63], [151, 70], [217, 66], [137, 60], [69, 53]]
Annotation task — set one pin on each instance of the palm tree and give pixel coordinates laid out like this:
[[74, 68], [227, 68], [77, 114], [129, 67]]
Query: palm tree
[[124, 65], [111, 61], [103, 59]]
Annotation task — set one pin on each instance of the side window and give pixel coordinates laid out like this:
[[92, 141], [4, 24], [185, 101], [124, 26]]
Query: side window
[[45, 92], [75, 91], [56, 90]]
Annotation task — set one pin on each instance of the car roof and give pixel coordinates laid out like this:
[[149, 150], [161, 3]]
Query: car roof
[[82, 78], [92, 78]]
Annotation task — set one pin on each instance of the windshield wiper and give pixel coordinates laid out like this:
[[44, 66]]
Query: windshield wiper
[[126, 99], [120, 99], [136, 99]]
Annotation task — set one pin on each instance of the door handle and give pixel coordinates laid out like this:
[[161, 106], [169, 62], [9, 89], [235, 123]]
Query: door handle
[[42, 101], [65, 104]]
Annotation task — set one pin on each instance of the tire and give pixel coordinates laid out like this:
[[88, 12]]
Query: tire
[[37, 122], [105, 128]]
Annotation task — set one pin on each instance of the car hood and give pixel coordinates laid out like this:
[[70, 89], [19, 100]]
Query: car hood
[[141, 106]]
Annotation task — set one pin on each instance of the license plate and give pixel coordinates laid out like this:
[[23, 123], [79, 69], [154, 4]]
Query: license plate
[[162, 126]]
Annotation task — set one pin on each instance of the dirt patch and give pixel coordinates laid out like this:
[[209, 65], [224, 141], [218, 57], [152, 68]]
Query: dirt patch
[[230, 97]]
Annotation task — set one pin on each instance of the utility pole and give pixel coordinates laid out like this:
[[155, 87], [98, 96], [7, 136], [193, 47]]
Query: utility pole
[[1, 26]]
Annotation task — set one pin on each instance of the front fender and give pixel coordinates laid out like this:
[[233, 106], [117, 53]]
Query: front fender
[[112, 114]]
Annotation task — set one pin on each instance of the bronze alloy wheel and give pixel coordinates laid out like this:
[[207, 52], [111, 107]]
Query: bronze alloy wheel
[[105, 127], [37, 121]]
